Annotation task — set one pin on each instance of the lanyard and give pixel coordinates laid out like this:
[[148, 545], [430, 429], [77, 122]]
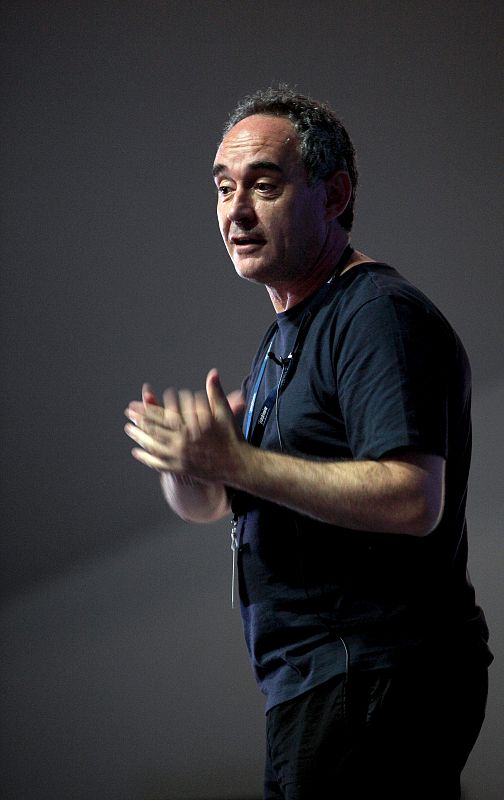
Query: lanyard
[[251, 405], [255, 437]]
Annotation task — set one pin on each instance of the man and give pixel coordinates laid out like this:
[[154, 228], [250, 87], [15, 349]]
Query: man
[[347, 485]]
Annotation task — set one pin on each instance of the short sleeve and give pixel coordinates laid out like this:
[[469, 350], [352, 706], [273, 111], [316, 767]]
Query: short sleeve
[[392, 373]]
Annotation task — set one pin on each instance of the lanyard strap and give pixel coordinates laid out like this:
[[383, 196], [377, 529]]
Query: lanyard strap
[[257, 434], [251, 405], [262, 419]]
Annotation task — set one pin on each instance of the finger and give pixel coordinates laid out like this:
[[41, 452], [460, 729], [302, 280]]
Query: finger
[[188, 413], [170, 400], [216, 397], [150, 461], [148, 395], [172, 409], [145, 416], [137, 406], [202, 410], [159, 433], [137, 412], [149, 439]]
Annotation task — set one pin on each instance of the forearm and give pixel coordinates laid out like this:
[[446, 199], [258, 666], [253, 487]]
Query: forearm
[[193, 500], [402, 493], [391, 496]]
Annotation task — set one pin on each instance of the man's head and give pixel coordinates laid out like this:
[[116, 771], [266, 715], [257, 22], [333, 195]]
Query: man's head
[[324, 144], [281, 221]]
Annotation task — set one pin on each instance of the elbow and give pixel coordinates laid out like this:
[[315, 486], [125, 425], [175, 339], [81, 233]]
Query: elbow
[[424, 513], [423, 525], [420, 494]]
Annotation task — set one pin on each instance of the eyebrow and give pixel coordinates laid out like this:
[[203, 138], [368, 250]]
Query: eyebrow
[[254, 165]]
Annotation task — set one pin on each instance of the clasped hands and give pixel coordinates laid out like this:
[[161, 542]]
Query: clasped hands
[[193, 434]]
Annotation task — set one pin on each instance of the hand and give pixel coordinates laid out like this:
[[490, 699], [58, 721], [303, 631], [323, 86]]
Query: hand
[[192, 434]]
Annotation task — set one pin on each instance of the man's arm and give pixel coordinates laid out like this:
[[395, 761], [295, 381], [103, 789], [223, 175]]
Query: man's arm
[[399, 494]]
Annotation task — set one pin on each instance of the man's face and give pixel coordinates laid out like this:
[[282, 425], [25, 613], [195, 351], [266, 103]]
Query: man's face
[[272, 222]]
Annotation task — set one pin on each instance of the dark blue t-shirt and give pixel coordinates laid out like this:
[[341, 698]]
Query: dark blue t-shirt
[[379, 369]]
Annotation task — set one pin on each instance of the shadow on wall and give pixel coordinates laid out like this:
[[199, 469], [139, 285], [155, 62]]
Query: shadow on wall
[[128, 679]]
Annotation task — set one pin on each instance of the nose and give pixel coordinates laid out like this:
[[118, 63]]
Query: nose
[[241, 210]]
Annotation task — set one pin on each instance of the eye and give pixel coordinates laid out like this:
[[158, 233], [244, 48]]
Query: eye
[[263, 186], [224, 189]]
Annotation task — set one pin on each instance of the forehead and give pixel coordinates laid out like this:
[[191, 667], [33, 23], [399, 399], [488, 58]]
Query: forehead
[[260, 138]]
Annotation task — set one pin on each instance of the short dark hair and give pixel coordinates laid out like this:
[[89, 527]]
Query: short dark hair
[[324, 144]]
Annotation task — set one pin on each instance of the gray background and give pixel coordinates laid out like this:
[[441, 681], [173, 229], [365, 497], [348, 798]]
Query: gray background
[[124, 674]]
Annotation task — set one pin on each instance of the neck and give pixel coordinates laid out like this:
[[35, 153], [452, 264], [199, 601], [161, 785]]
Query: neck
[[289, 293]]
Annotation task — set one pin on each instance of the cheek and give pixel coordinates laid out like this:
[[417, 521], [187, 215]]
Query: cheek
[[221, 221], [309, 222]]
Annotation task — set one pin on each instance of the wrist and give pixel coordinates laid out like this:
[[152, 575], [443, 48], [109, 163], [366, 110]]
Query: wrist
[[243, 466]]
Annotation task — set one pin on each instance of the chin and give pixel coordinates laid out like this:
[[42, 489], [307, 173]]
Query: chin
[[251, 276], [252, 271]]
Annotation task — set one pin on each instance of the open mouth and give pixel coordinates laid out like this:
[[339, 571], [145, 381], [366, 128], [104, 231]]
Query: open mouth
[[241, 242]]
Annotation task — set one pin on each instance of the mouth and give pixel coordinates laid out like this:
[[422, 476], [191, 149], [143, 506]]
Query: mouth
[[244, 244]]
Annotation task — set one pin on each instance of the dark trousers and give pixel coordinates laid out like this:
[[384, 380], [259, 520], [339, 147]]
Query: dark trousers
[[399, 735]]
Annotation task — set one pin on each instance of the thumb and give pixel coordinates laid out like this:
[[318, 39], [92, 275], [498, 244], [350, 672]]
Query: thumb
[[237, 403], [217, 399]]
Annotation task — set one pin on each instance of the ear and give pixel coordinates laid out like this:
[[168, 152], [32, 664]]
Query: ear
[[338, 193]]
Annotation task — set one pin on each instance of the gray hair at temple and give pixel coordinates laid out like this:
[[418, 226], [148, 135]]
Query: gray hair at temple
[[324, 144]]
